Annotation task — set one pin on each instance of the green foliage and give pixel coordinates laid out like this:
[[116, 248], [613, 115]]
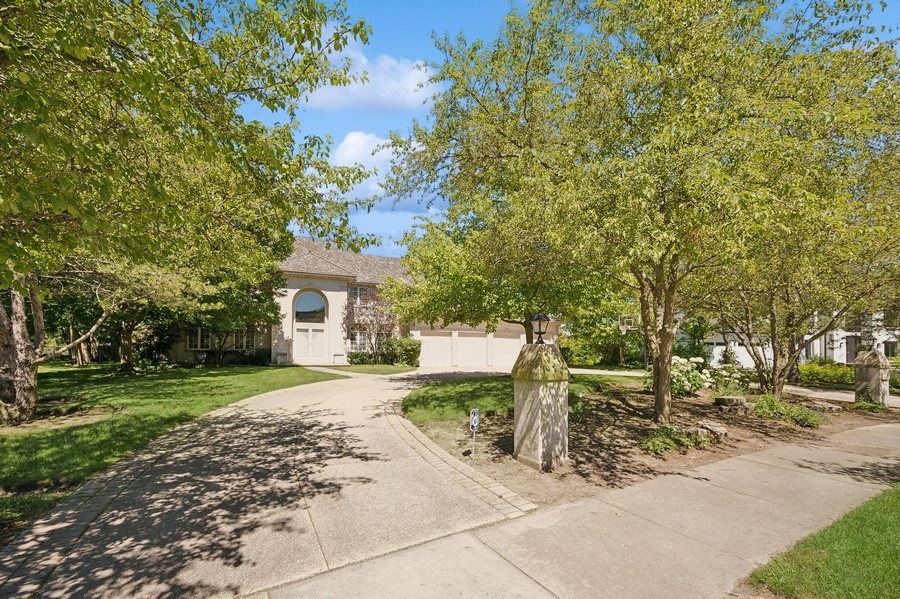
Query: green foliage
[[577, 352], [401, 351], [856, 557], [95, 128], [688, 377], [692, 338], [577, 407], [360, 357], [665, 439], [729, 356], [769, 406], [867, 405], [826, 372], [730, 379]]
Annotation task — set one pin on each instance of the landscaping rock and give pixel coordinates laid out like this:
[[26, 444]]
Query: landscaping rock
[[695, 430], [729, 400], [824, 406], [718, 431]]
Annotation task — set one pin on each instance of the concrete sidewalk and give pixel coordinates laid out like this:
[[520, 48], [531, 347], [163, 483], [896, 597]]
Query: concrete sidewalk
[[693, 535]]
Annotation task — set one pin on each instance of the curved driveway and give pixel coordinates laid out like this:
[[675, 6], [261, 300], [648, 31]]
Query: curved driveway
[[270, 490]]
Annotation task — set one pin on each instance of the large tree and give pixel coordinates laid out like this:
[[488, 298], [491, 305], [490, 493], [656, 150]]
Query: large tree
[[658, 136], [122, 139], [494, 252]]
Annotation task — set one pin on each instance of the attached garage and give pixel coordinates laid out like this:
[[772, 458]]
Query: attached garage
[[505, 349], [436, 346], [459, 346]]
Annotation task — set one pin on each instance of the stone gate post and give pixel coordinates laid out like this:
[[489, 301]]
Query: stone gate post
[[541, 388], [872, 376]]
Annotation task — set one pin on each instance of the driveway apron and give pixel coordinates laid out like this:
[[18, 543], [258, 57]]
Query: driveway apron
[[267, 491]]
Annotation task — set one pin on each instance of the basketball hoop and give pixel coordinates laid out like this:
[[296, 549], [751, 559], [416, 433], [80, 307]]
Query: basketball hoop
[[624, 328]]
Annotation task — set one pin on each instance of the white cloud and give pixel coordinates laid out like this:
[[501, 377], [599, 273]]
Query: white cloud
[[394, 84], [359, 147]]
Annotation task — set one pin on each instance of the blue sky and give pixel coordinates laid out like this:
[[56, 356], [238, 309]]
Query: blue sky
[[360, 117]]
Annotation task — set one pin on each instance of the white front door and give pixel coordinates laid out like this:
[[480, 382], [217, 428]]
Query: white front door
[[309, 342]]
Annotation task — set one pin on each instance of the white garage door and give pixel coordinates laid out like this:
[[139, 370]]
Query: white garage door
[[435, 349], [506, 348], [471, 350]]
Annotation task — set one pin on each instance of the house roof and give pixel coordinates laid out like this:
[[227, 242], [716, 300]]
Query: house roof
[[312, 257]]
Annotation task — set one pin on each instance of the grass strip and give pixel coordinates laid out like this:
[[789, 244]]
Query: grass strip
[[375, 368], [857, 557], [452, 399]]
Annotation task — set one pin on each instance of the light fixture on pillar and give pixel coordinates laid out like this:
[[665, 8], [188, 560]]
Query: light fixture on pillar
[[539, 324]]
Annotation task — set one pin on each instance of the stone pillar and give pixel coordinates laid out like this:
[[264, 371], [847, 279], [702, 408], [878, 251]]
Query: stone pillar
[[541, 387], [872, 375]]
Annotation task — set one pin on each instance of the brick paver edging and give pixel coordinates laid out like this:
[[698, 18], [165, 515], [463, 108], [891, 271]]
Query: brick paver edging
[[507, 502]]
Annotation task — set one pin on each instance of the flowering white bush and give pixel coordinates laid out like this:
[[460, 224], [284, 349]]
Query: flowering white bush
[[730, 378], [688, 377]]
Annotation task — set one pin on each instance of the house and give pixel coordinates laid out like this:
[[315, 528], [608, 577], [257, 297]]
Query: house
[[320, 280]]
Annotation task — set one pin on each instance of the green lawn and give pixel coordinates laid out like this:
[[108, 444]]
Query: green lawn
[[376, 368], [451, 399], [41, 463], [857, 557]]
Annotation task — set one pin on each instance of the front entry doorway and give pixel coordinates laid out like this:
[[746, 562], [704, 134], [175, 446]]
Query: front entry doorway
[[309, 327]]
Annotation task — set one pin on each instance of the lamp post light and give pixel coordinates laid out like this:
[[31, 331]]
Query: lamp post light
[[539, 324]]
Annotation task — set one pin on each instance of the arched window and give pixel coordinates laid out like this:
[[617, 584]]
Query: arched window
[[309, 307]]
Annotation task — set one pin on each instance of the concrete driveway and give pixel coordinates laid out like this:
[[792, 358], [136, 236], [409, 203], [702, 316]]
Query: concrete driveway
[[270, 490]]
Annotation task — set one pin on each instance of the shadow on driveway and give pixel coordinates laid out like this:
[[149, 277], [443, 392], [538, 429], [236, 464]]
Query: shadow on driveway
[[232, 495]]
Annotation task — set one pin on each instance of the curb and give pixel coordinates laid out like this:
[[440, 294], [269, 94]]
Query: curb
[[507, 502]]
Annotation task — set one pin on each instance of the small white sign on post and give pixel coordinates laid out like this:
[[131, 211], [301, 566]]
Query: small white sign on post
[[473, 424]]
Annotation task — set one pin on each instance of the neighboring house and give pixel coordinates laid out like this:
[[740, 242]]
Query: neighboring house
[[320, 280], [839, 345]]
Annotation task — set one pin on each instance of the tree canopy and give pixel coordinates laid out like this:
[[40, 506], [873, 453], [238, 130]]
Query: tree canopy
[[658, 140], [123, 140]]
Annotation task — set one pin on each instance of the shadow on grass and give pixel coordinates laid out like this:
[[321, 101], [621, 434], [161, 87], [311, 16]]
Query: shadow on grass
[[225, 492]]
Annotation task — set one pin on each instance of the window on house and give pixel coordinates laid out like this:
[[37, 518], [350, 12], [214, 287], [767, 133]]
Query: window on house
[[244, 339], [309, 307], [355, 294], [358, 341], [198, 339], [890, 349]]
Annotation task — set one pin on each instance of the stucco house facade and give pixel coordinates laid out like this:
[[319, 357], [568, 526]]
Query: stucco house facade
[[320, 280]]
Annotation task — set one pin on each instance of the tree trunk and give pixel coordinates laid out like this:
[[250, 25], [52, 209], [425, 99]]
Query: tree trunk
[[657, 300], [18, 373], [84, 355], [662, 385], [126, 347]]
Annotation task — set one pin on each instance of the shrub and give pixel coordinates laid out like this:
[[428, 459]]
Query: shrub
[[769, 406], [729, 356], [360, 357], [668, 438], [826, 372], [867, 405], [578, 352], [577, 409], [401, 350], [688, 377], [730, 378]]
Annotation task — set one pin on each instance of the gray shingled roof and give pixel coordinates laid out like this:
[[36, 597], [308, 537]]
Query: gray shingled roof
[[312, 257]]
